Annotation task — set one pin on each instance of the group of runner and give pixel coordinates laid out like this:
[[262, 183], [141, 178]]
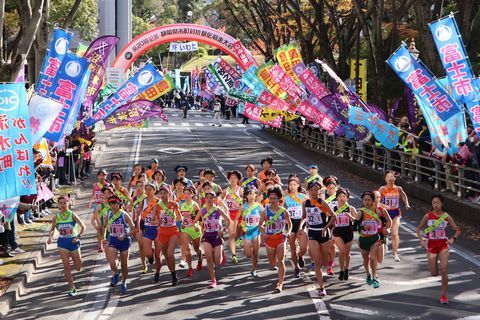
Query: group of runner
[[313, 215]]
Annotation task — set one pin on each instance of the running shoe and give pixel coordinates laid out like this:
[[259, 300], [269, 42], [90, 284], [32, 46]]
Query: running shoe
[[123, 288], [330, 271], [341, 276], [174, 280], [182, 264], [73, 292], [150, 260], [297, 273], [190, 272], [376, 284], [274, 268], [100, 249], [224, 258], [156, 278], [301, 262], [199, 265], [145, 269], [443, 299], [322, 292], [278, 289], [18, 250], [254, 273], [396, 258], [234, 259], [239, 243], [369, 279], [345, 276], [213, 284], [114, 281]]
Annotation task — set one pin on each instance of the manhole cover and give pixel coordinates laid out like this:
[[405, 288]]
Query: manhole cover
[[173, 150]]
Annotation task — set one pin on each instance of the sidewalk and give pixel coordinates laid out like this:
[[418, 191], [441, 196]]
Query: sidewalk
[[16, 271]]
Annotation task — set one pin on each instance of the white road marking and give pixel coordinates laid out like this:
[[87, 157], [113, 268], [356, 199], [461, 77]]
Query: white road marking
[[418, 282], [171, 124], [474, 317], [228, 125], [184, 124], [198, 124], [342, 307], [240, 125]]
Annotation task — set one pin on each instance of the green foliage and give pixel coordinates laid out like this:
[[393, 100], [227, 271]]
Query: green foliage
[[158, 12], [85, 21]]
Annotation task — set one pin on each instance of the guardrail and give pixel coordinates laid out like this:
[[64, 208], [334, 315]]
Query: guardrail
[[461, 180]]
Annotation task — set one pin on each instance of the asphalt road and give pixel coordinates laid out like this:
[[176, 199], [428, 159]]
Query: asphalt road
[[406, 292]]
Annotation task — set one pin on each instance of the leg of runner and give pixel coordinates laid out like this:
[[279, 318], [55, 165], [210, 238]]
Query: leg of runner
[[314, 251], [124, 263], [272, 257], [381, 252], [185, 242], [348, 249], [139, 237], [302, 241], [172, 244], [341, 256], [366, 265], [433, 263], [65, 255], [113, 253], [207, 247], [292, 242], [158, 260], [395, 237], [196, 247], [331, 257], [443, 259], [256, 247], [232, 230], [280, 253], [373, 263], [148, 250]]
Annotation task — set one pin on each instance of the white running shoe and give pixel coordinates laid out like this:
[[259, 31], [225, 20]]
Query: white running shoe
[[18, 250], [396, 258]]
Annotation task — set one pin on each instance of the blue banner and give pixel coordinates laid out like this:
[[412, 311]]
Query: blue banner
[[143, 79], [385, 133], [53, 60], [72, 119], [17, 171], [66, 89], [454, 59], [422, 83]]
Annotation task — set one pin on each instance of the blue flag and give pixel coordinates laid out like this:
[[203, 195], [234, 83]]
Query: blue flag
[[53, 60], [422, 83], [17, 171], [65, 90], [143, 79]]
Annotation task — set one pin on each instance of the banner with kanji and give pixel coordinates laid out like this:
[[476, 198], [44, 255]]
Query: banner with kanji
[[310, 81], [263, 74], [385, 133], [286, 82], [158, 90], [42, 147], [195, 81], [422, 83], [143, 79], [17, 171], [8, 208], [97, 55], [134, 112], [66, 90], [56, 52], [318, 117], [43, 112], [224, 72], [254, 112], [77, 104], [282, 55]]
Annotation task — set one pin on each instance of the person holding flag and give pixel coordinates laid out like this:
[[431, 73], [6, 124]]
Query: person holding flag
[[437, 241]]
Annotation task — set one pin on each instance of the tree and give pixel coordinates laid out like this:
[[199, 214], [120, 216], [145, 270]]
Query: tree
[[14, 51]]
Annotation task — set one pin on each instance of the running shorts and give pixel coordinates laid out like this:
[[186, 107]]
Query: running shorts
[[165, 233], [366, 243], [67, 244], [274, 240], [120, 245], [150, 232], [192, 233], [213, 238], [346, 233], [317, 235]]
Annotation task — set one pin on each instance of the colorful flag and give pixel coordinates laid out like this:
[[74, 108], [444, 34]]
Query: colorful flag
[[263, 74], [77, 104], [143, 79], [56, 52], [43, 113], [195, 81], [134, 112], [81, 49], [283, 60], [393, 108], [310, 81], [422, 83], [318, 117], [42, 147], [254, 112], [8, 208], [246, 58], [286, 82], [224, 72], [66, 90], [97, 55], [17, 171], [158, 90]]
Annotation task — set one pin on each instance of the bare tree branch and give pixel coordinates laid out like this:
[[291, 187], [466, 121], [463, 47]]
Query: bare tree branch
[[71, 15]]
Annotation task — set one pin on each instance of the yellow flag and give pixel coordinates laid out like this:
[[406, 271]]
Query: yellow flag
[[269, 114], [289, 116], [87, 142], [42, 147]]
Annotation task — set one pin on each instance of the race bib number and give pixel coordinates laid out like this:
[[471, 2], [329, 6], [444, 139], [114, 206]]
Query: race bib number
[[188, 222], [295, 212], [232, 205], [117, 230], [276, 227], [148, 221], [212, 226], [314, 216], [369, 227], [65, 230], [392, 202], [252, 220], [342, 221], [438, 234], [166, 220]]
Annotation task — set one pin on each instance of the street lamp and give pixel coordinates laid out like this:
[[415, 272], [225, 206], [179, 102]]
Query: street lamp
[[413, 50]]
